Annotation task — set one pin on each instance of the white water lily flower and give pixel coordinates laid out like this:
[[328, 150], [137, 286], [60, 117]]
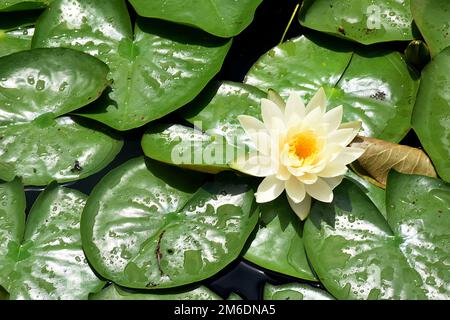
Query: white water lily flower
[[302, 150]]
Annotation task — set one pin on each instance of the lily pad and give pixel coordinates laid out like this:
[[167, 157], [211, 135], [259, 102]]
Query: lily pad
[[20, 5], [148, 225], [363, 21], [36, 87], [186, 147], [431, 119], [373, 85], [278, 243], [114, 292], [358, 254], [294, 291], [222, 18], [217, 137], [375, 194], [432, 19], [16, 32], [155, 71], [43, 259]]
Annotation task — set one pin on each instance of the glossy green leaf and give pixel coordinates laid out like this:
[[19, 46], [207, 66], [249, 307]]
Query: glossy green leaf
[[374, 193], [186, 147], [155, 71], [217, 138], [36, 87], [278, 243], [294, 291], [44, 259], [432, 19], [16, 32], [374, 86], [114, 292], [147, 225], [363, 21], [358, 254], [431, 118], [20, 5], [222, 18]]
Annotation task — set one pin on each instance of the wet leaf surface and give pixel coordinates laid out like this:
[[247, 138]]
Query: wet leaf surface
[[358, 254], [148, 225], [156, 69], [42, 259]]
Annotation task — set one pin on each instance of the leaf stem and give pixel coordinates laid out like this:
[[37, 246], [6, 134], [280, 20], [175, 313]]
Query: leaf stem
[[290, 22]]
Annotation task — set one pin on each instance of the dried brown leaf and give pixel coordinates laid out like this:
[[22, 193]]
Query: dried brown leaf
[[382, 156]]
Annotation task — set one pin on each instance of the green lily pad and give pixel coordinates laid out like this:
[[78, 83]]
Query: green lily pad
[[431, 118], [155, 71], [20, 5], [114, 292], [432, 19], [363, 21], [278, 243], [373, 85], [219, 17], [16, 32], [218, 137], [358, 254], [36, 87], [375, 194], [43, 259], [148, 225], [294, 291], [186, 147]]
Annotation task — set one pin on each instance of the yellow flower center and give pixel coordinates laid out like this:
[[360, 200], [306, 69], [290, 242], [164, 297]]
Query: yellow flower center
[[304, 146]]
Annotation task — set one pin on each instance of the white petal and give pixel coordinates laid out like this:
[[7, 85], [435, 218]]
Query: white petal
[[332, 170], [261, 141], [334, 182], [301, 209], [348, 155], [269, 189], [308, 178], [251, 124], [355, 125], [255, 165], [312, 119], [320, 191], [342, 136], [295, 190], [318, 101], [295, 109], [283, 173], [333, 118], [271, 114]]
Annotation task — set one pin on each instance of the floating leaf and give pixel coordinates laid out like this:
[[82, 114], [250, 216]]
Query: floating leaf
[[431, 119], [155, 71], [364, 21], [358, 254], [43, 259], [186, 147], [114, 292], [222, 18], [374, 86], [432, 19], [16, 31], [376, 194], [294, 291], [36, 87], [218, 137], [381, 156], [20, 5], [147, 225], [278, 243]]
